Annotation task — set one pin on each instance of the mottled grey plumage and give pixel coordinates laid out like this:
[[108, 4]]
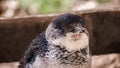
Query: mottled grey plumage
[[64, 44]]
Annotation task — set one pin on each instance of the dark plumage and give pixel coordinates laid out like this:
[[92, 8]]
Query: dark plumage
[[64, 44]]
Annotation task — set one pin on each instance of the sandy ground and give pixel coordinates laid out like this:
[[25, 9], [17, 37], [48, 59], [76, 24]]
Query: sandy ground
[[9, 65], [99, 61], [106, 61]]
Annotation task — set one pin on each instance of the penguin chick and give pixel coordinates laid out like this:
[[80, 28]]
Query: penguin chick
[[64, 44]]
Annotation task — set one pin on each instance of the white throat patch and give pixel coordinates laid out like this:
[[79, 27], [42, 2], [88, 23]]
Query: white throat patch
[[70, 44]]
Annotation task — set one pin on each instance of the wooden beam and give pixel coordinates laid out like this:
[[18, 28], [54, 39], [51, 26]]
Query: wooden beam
[[17, 33]]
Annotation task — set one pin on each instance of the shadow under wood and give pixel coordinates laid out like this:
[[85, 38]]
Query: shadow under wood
[[16, 34]]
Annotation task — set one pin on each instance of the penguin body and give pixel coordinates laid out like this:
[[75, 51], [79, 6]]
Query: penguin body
[[64, 44]]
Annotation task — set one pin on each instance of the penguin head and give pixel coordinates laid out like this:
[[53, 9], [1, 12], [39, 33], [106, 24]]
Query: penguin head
[[67, 30]]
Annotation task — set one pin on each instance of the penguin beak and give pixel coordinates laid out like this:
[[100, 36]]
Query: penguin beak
[[77, 33]]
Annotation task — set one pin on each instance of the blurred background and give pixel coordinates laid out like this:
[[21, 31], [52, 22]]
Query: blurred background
[[10, 9]]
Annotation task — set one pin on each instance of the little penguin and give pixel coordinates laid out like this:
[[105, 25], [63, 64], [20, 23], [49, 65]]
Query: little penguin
[[64, 44]]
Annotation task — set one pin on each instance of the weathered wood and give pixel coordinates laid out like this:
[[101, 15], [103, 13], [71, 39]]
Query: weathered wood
[[104, 28], [17, 33]]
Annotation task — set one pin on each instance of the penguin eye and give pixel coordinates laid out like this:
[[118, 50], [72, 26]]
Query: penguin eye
[[71, 30]]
